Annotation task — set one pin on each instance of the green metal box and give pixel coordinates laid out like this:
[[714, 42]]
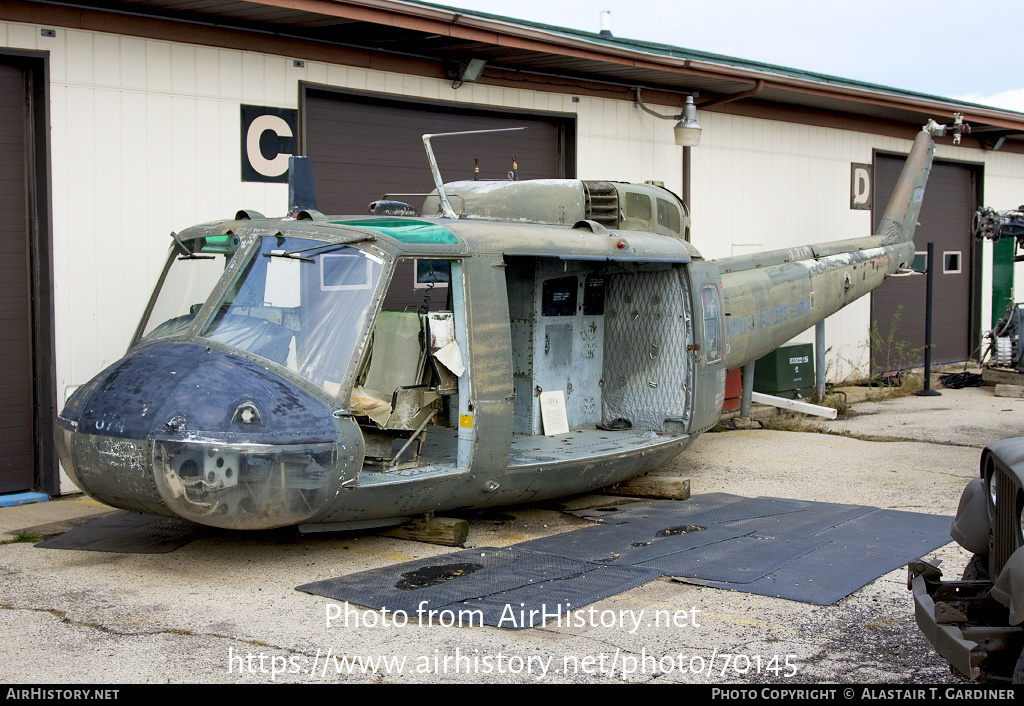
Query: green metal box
[[786, 372]]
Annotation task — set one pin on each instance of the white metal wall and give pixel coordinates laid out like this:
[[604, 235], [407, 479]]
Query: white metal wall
[[145, 140]]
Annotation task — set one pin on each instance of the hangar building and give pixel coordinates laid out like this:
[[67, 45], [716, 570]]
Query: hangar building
[[129, 119]]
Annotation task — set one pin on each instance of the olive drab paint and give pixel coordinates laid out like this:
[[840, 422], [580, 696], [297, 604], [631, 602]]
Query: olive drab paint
[[289, 371]]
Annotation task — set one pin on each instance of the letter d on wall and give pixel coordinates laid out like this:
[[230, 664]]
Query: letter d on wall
[[860, 186], [268, 139]]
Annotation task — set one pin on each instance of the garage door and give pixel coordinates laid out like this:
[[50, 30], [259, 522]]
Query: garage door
[[16, 435], [946, 217], [362, 147]]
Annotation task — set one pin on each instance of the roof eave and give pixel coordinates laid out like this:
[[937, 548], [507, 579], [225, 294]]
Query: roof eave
[[466, 25]]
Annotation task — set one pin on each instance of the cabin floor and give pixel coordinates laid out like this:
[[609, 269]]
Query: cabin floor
[[441, 445]]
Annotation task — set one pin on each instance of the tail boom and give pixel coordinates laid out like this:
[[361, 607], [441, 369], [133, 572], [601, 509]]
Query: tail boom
[[771, 297]]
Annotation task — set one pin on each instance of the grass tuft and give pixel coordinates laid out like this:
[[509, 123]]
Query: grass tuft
[[784, 420], [26, 536]]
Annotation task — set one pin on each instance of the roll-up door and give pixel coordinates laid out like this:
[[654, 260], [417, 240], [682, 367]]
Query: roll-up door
[[946, 216], [17, 456], [365, 147]]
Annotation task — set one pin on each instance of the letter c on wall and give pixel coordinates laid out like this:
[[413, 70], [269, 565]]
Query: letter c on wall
[[267, 167], [268, 140]]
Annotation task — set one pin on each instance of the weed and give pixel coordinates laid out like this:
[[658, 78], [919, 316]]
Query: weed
[[25, 536], [837, 400], [894, 358], [784, 420]]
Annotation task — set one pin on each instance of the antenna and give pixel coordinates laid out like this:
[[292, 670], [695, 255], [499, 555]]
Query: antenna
[[446, 207]]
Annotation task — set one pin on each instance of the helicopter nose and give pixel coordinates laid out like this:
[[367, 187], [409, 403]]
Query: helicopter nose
[[203, 434]]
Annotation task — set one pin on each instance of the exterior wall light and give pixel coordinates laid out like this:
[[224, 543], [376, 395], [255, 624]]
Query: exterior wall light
[[470, 71], [687, 130]]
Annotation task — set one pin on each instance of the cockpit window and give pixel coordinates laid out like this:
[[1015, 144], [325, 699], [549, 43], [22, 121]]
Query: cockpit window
[[188, 279], [302, 304], [668, 215], [710, 303]]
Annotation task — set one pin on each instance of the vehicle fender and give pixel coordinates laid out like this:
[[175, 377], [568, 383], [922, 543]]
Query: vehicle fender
[[1009, 587], [971, 526]]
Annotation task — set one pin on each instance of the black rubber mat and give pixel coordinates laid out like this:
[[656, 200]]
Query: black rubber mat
[[807, 551], [631, 542], [444, 580], [811, 518], [489, 586], [130, 533], [700, 509], [851, 555], [550, 602]]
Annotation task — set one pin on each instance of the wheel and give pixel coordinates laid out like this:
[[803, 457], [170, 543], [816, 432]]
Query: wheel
[[976, 569], [984, 613], [1018, 671]]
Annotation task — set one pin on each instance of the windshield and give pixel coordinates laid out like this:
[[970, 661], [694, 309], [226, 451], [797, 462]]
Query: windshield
[[186, 285], [300, 303]]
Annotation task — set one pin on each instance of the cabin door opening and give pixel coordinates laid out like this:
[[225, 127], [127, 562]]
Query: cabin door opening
[[416, 374], [611, 339], [556, 308]]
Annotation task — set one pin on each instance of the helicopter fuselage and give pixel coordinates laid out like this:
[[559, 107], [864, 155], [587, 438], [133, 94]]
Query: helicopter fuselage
[[348, 372]]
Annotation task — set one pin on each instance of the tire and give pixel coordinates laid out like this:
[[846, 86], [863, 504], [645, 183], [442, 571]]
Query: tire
[[984, 613], [976, 569], [998, 664]]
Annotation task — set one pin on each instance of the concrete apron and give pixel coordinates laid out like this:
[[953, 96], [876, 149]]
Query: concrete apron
[[224, 610]]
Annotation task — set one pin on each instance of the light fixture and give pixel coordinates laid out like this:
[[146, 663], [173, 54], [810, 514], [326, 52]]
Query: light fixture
[[687, 130], [470, 71]]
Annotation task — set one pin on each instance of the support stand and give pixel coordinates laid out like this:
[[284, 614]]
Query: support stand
[[928, 391]]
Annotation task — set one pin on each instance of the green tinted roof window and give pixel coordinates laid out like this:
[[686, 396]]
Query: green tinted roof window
[[407, 231], [220, 243]]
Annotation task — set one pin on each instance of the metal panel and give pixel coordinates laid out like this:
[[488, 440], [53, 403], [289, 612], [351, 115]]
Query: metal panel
[[16, 432], [646, 334], [362, 148], [708, 378], [946, 221], [487, 393], [567, 352]]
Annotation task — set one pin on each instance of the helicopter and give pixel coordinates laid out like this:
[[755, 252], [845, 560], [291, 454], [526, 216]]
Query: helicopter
[[533, 339]]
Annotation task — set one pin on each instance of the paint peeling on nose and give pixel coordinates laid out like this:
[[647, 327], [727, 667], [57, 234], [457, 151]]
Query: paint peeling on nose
[[207, 435]]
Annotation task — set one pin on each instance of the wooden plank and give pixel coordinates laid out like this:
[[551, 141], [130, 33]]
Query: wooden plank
[[994, 376], [670, 488], [446, 531], [1009, 390]]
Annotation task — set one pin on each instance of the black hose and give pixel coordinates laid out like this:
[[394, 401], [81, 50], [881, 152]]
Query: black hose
[[956, 381]]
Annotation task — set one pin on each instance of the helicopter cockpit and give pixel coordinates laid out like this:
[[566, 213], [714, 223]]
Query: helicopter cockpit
[[296, 302]]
